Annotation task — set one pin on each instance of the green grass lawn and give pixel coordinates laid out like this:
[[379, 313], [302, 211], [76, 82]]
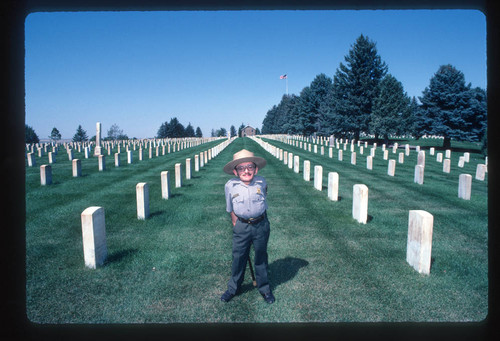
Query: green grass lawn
[[324, 266]]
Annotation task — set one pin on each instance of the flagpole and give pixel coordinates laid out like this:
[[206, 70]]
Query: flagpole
[[286, 85]]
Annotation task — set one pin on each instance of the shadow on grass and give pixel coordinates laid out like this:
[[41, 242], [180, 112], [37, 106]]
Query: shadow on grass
[[281, 271], [120, 255]]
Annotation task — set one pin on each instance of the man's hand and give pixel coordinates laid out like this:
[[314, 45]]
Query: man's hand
[[234, 218]]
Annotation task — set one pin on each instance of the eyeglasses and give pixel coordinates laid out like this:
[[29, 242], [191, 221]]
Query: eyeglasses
[[242, 168]]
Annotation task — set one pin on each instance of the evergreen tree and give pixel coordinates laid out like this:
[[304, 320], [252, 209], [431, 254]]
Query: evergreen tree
[[55, 135], [189, 131], [311, 105], [162, 131], [453, 109], [198, 132], [257, 131], [269, 122], [410, 122], [80, 135], [388, 108], [29, 135], [242, 126], [232, 131], [355, 87]]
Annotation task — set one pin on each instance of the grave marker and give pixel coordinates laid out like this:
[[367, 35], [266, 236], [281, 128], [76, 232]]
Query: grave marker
[[333, 186], [188, 169], [318, 177], [165, 185], [296, 164], [307, 170], [419, 243], [360, 203], [117, 160], [102, 163], [94, 236], [369, 162], [480, 172], [446, 165], [45, 175], [77, 168], [464, 186], [142, 196], [391, 167], [178, 175], [419, 175]]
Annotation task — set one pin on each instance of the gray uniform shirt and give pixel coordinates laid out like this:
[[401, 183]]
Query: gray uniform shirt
[[246, 201]]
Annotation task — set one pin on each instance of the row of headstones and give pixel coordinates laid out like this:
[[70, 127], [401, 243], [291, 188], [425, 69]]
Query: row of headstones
[[296, 142], [46, 170], [465, 180], [185, 142], [166, 148], [93, 218], [420, 223]]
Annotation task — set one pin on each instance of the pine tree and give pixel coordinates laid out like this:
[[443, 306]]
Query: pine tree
[[80, 135], [310, 104], [30, 135], [198, 132], [388, 108], [189, 131], [232, 131], [355, 87], [453, 109]]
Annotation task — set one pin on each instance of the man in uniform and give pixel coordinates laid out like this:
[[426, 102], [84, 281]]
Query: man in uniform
[[246, 202]]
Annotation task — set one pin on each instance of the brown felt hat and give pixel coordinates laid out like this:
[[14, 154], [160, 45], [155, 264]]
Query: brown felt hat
[[241, 157]]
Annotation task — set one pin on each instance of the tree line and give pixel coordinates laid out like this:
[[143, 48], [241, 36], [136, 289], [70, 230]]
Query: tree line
[[364, 99]]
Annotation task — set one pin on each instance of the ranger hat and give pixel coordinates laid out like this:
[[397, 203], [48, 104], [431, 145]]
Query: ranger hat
[[241, 157]]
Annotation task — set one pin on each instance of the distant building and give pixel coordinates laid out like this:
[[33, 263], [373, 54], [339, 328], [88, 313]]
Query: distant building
[[247, 131]]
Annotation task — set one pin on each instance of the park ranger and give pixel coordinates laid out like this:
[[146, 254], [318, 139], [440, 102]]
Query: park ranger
[[246, 203]]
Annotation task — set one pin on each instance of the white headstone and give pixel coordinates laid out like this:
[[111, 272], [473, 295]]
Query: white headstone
[[77, 168], [391, 167], [419, 175], [360, 203], [142, 196], [165, 185], [318, 177], [333, 186], [446, 165], [178, 175], [419, 243], [307, 170], [94, 236], [464, 186], [369, 162], [296, 164], [480, 172], [45, 175]]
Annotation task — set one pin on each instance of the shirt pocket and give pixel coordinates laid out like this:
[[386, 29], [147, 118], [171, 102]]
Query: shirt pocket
[[259, 202], [238, 203]]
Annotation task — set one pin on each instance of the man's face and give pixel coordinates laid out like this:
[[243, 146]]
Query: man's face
[[246, 171]]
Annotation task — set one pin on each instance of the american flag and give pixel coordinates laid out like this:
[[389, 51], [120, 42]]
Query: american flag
[[283, 76]]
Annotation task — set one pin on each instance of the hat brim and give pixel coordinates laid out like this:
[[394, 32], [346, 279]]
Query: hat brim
[[259, 162]]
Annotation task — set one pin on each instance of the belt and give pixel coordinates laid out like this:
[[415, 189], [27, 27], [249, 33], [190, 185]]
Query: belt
[[252, 220]]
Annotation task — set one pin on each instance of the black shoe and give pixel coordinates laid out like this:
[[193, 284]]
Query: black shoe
[[268, 297], [226, 297]]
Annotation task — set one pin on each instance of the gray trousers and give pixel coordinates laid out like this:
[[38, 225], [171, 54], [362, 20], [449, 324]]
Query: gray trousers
[[244, 235]]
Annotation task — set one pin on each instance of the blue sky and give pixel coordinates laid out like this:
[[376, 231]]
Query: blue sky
[[215, 69]]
